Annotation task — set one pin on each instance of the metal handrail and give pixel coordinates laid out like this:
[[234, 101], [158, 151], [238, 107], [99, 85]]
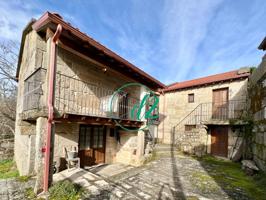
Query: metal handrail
[[205, 111], [77, 96], [187, 116], [80, 97]]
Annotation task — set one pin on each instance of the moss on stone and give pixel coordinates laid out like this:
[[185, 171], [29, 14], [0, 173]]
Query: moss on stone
[[23, 178], [203, 182], [192, 198], [29, 194], [8, 169], [230, 177]]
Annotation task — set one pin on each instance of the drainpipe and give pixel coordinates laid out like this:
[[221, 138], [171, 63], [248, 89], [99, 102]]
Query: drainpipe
[[164, 99], [51, 82]]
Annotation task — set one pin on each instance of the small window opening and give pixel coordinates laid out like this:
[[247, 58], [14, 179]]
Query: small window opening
[[191, 98]]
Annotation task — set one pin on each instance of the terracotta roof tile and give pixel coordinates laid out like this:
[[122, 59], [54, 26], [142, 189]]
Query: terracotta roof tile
[[55, 18], [232, 75]]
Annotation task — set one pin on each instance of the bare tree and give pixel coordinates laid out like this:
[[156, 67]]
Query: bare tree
[[8, 86]]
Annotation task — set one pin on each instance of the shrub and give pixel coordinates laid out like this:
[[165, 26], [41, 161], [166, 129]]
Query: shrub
[[65, 190]]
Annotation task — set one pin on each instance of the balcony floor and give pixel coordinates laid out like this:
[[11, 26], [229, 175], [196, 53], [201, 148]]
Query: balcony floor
[[223, 122], [83, 119]]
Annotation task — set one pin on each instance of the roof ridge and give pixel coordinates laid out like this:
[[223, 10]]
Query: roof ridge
[[201, 77], [224, 76], [56, 18]]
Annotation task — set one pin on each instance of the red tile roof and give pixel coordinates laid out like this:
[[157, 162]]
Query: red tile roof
[[55, 18], [227, 76]]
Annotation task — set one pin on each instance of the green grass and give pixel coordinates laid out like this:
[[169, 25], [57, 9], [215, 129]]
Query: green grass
[[23, 178], [230, 176], [62, 190], [8, 169], [29, 193], [65, 190]]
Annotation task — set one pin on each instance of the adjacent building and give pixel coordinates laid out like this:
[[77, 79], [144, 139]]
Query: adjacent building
[[198, 115]]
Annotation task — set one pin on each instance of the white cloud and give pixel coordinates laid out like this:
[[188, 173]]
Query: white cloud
[[184, 28], [232, 39], [14, 17], [171, 40], [181, 27], [194, 38]]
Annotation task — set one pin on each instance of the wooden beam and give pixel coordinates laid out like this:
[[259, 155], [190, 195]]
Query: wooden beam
[[72, 118], [97, 63]]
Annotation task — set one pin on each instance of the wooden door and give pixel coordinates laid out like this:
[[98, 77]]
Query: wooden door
[[91, 145], [219, 141], [220, 104]]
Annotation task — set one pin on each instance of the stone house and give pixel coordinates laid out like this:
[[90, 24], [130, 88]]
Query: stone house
[[92, 94], [198, 114], [86, 77]]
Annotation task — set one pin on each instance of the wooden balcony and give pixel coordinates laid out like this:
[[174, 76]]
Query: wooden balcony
[[75, 97]]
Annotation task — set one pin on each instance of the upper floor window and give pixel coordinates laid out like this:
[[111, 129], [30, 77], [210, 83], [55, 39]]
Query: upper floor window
[[191, 98]]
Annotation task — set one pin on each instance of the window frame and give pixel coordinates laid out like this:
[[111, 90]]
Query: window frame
[[189, 127], [189, 97]]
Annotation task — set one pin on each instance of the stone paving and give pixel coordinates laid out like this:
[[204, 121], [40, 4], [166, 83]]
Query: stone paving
[[162, 179], [12, 189], [166, 178], [169, 177]]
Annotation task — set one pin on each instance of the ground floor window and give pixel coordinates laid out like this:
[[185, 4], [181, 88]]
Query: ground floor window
[[189, 127]]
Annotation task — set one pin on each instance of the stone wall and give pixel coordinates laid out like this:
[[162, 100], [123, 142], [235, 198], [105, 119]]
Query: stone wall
[[198, 142], [127, 148], [194, 141], [67, 136], [83, 87], [6, 148], [259, 145], [257, 97], [33, 57]]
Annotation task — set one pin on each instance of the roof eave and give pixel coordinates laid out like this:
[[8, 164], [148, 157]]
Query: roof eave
[[262, 45], [48, 17], [200, 85], [27, 29]]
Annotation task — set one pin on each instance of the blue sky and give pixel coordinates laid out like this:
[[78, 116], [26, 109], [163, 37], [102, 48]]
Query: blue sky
[[173, 40]]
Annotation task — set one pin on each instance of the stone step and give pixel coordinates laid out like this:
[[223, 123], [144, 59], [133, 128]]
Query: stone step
[[162, 147]]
